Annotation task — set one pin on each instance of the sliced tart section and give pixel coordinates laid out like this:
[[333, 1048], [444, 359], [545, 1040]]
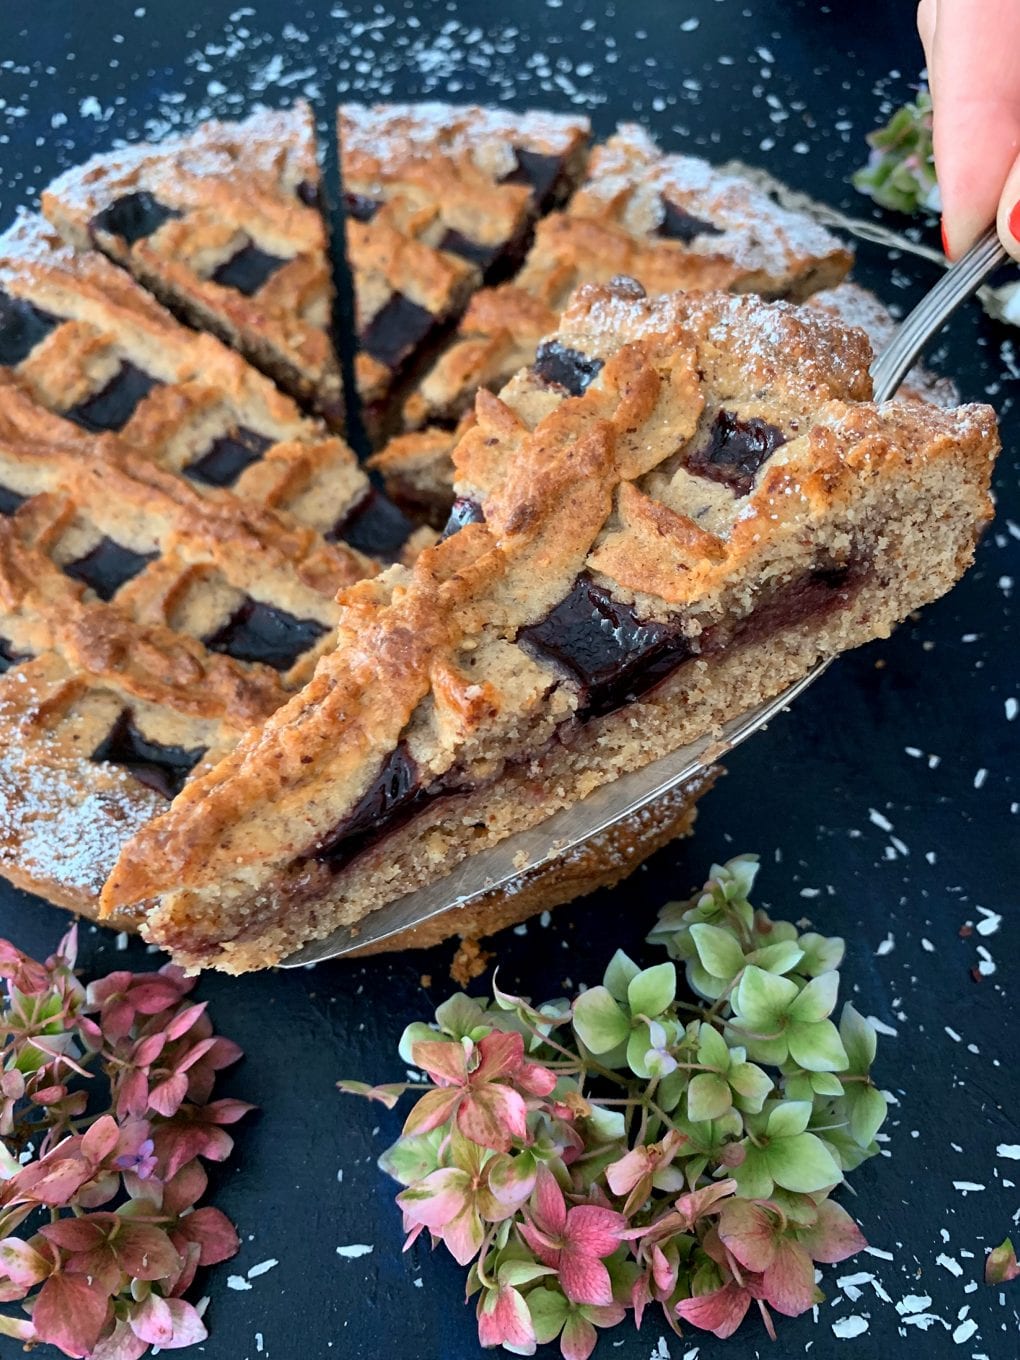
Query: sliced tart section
[[673, 513], [173, 532], [90, 345], [670, 221], [440, 198], [225, 226]]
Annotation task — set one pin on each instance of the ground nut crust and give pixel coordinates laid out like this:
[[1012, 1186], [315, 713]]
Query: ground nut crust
[[442, 208], [603, 483]]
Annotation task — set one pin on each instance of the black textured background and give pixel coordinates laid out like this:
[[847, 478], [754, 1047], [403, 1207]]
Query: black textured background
[[913, 732]]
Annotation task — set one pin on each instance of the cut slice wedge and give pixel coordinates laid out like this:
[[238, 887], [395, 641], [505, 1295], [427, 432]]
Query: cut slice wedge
[[671, 515], [225, 226], [439, 199]]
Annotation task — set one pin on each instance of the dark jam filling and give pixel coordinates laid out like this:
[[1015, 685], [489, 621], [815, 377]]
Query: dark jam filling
[[736, 449], [539, 172], [227, 457], [560, 366], [259, 632], [108, 566], [113, 406], [248, 269], [615, 657], [10, 656], [360, 206], [475, 252], [133, 217], [610, 652], [374, 526], [390, 800], [814, 595], [308, 192], [464, 511], [680, 225], [10, 500], [164, 769], [22, 327], [397, 330]]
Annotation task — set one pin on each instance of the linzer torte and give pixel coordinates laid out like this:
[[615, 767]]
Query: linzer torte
[[225, 226], [678, 508]]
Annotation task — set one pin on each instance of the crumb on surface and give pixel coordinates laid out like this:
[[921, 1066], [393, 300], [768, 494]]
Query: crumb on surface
[[469, 962]]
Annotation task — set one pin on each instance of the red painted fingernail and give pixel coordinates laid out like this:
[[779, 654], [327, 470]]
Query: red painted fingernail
[[1014, 222], [945, 241]]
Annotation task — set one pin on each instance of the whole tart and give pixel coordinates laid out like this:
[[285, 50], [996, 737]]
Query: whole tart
[[670, 221], [679, 508], [224, 225], [439, 198]]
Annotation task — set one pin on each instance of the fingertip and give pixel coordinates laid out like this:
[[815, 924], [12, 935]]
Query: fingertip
[[1008, 217]]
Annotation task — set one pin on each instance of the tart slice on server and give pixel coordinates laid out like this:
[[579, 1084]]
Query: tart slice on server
[[668, 517], [225, 226]]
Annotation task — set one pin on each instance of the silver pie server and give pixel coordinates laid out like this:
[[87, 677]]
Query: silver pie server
[[505, 864]]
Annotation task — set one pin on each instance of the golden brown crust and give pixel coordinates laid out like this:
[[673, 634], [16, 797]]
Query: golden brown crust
[[856, 306], [195, 554], [281, 323], [101, 320], [672, 222], [428, 657], [437, 200]]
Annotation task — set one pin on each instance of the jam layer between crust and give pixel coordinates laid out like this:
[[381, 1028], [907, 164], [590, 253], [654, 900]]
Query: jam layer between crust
[[613, 657], [164, 769]]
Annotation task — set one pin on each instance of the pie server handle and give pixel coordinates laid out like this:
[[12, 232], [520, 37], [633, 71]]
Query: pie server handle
[[505, 864]]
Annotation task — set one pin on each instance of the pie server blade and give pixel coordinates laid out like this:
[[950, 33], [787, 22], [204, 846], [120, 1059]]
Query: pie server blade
[[506, 863]]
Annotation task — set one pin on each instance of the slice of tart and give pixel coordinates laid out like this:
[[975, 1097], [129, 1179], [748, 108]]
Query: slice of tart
[[439, 199], [89, 344], [670, 221], [670, 516], [225, 226]]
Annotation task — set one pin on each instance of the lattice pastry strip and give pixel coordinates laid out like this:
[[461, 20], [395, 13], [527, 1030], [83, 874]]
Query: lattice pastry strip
[[91, 346], [250, 266], [666, 521], [440, 198], [670, 221]]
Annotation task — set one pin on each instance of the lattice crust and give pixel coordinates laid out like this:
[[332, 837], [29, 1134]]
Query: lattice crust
[[91, 345], [102, 523], [671, 515], [439, 197], [145, 622], [224, 225], [670, 221], [418, 466]]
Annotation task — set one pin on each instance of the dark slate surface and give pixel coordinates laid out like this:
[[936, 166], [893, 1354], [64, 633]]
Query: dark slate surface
[[884, 806]]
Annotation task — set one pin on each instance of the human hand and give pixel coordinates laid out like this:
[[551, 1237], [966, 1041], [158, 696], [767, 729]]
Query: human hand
[[973, 52]]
